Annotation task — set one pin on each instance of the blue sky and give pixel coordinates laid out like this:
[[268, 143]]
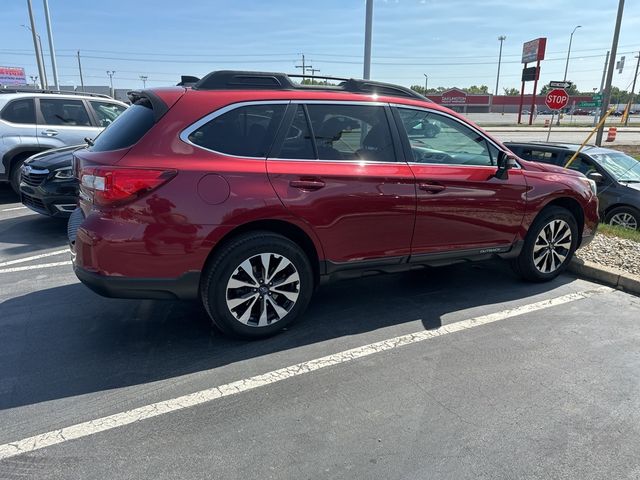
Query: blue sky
[[454, 41]]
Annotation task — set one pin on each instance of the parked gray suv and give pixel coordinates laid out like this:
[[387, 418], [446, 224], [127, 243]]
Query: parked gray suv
[[32, 121]]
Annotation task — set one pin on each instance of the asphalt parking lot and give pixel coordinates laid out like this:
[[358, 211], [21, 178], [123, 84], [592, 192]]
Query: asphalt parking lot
[[458, 372]]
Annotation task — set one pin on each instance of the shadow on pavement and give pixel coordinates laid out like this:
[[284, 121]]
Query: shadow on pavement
[[7, 195], [67, 341], [29, 233]]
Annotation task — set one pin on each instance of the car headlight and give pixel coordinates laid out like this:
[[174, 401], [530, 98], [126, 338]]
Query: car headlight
[[64, 173]]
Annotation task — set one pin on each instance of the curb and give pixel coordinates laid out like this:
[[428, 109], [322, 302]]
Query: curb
[[605, 275]]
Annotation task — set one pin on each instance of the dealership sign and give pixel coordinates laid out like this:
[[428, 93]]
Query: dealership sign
[[454, 97], [533, 51], [12, 76]]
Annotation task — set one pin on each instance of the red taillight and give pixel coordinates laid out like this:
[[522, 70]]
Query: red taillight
[[109, 185]]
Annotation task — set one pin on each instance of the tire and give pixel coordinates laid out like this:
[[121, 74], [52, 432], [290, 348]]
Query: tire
[[539, 260], [627, 217], [236, 300], [14, 175]]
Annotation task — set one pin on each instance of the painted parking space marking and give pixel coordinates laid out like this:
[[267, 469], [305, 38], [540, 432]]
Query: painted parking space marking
[[34, 257], [146, 412], [12, 209], [35, 267]]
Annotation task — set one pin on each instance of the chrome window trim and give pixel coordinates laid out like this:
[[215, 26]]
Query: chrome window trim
[[452, 117], [184, 134]]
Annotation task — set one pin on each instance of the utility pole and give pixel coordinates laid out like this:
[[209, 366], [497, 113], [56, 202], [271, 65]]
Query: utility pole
[[313, 72], [144, 80], [367, 40], [596, 117], [80, 69], [501, 39], [52, 50], [607, 89], [566, 65], [303, 67], [633, 89], [36, 46], [111, 73]]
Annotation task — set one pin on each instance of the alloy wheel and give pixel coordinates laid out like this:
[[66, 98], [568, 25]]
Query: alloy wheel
[[552, 246], [625, 220], [263, 289]]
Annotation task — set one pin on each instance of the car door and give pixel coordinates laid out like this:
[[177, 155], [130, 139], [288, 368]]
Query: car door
[[339, 168], [63, 121], [461, 205]]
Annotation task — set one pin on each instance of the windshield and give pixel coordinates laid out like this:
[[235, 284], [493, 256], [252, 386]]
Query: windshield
[[619, 165]]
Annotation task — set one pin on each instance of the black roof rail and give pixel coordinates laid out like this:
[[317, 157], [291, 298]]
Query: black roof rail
[[59, 92], [240, 80]]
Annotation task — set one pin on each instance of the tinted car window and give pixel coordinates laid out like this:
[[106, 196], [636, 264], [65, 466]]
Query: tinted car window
[[20, 111], [438, 139], [583, 165], [107, 112], [351, 132], [245, 131], [540, 156], [127, 129], [56, 111], [298, 142]]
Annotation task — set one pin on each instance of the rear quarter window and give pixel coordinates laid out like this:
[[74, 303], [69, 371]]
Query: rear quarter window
[[126, 129], [19, 111]]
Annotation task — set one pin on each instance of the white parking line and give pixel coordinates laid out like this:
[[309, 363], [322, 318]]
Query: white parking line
[[12, 209], [34, 267], [34, 257], [110, 422]]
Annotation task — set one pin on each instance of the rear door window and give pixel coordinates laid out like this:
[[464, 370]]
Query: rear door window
[[20, 111], [541, 156], [351, 132], [246, 131], [63, 112], [127, 129]]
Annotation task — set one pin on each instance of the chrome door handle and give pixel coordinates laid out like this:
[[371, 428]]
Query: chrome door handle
[[50, 133], [431, 187]]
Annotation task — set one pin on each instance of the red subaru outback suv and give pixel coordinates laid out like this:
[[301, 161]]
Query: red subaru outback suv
[[248, 189]]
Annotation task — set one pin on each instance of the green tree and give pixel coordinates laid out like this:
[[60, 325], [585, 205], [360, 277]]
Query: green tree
[[431, 91], [477, 90], [511, 92]]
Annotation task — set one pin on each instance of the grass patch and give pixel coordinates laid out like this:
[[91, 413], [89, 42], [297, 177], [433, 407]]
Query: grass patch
[[616, 231]]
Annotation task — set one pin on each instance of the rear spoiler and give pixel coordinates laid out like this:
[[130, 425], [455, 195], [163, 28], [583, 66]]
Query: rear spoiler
[[157, 104], [187, 81]]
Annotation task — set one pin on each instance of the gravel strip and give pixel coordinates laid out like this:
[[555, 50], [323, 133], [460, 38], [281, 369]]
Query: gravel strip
[[614, 252]]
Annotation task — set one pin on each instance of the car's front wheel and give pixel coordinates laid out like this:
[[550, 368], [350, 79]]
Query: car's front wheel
[[257, 284], [549, 245], [625, 217]]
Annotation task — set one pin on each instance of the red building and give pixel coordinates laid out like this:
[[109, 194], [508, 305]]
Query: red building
[[462, 102]]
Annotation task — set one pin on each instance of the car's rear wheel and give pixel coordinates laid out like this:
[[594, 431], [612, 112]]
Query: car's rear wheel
[[549, 245], [625, 217], [257, 284]]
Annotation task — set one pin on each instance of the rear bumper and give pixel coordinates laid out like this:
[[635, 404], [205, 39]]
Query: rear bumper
[[185, 287]]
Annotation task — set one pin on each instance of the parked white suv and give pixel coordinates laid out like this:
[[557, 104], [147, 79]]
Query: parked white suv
[[32, 121]]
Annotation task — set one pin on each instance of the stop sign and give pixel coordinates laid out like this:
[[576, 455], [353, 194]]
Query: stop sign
[[556, 99]]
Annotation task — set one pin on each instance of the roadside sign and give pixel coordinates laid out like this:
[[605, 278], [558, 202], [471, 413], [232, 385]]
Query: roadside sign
[[563, 84], [589, 104], [556, 99], [597, 96]]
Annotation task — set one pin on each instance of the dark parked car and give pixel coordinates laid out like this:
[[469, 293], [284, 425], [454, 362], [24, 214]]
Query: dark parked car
[[248, 189], [48, 185], [616, 174]]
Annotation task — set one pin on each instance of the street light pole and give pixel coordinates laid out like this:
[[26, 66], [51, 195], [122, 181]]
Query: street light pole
[[144, 80], [426, 80], [52, 50], [566, 66], [111, 73], [367, 40], [501, 39], [607, 88], [633, 89], [37, 47]]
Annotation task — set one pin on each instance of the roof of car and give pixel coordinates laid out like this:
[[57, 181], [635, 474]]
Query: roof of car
[[9, 94]]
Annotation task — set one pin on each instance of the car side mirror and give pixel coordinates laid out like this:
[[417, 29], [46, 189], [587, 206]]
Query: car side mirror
[[506, 161], [596, 177]]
